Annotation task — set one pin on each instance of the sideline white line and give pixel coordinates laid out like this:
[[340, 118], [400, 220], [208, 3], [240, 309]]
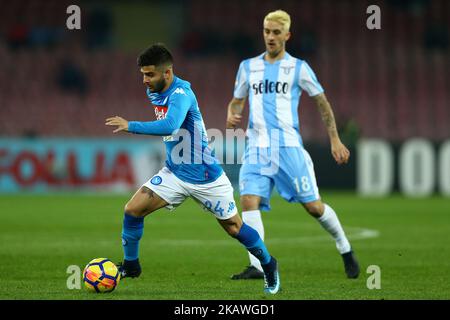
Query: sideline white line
[[353, 233]]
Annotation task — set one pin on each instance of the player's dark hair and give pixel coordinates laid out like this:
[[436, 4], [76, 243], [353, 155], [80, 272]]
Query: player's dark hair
[[156, 55]]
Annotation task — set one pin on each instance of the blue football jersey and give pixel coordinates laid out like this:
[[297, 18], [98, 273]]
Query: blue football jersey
[[180, 122]]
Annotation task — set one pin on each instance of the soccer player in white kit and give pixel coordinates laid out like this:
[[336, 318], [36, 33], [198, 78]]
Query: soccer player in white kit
[[273, 83]]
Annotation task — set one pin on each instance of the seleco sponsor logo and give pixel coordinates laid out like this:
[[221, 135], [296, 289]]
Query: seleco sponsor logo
[[267, 86]]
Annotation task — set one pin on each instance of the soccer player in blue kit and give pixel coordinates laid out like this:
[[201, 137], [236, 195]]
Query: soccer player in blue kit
[[273, 82], [192, 173]]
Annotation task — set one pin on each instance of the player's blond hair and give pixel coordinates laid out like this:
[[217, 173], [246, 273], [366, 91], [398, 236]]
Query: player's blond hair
[[281, 17]]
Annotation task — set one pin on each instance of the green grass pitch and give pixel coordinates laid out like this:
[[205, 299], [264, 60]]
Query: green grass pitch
[[186, 255]]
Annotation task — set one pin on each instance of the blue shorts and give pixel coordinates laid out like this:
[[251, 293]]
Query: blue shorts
[[289, 169]]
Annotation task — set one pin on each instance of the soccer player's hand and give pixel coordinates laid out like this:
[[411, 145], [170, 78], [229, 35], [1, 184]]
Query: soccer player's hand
[[233, 119], [121, 123], [340, 152]]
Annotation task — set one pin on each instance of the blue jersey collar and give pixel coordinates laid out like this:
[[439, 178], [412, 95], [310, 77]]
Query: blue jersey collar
[[158, 98]]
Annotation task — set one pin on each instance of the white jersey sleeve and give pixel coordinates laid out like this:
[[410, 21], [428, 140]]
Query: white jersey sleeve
[[241, 85], [308, 80]]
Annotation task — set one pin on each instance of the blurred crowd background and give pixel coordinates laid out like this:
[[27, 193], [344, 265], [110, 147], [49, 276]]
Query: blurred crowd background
[[392, 83]]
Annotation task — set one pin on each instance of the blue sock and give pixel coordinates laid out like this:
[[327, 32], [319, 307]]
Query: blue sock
[[250, 238], [132, 231]]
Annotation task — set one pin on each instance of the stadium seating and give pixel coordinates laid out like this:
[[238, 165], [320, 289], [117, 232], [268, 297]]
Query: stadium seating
[[385, 80]]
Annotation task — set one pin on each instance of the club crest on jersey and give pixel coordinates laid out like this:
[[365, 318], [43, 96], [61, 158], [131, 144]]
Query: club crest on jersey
[[287, 70], [156, 180]]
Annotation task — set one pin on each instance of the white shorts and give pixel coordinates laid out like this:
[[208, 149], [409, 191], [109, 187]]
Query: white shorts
[[216, 196]]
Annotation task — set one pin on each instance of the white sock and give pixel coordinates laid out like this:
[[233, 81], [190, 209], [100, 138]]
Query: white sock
[[253, 219], [330, 222]]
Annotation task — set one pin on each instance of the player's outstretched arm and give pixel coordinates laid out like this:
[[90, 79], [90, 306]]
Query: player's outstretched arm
[[339, 151], [234, 115], [176, 113], [161, 127]]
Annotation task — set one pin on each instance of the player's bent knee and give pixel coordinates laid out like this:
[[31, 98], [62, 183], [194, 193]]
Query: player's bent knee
[[232, 226], [134, 211], [250, 202], [315, 208], [232, 229]]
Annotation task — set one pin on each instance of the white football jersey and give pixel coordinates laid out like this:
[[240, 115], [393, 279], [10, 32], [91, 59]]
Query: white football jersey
[[274, 91]]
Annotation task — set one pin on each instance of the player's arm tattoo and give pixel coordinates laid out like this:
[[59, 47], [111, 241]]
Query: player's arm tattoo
[[327, 114], [148, 191], [236, 106]]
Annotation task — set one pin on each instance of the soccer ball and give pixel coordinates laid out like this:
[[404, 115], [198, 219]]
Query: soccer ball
[[101, 275]]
